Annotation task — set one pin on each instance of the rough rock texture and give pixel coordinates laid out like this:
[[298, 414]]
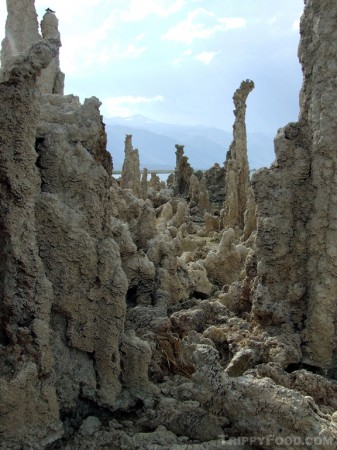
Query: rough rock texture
[[236, 165], [224, 265], [130, 178], [21, 32], [123, 326], [194, 188], [211, 223], [154, 182], [182, 174], [51, 80], [74, 228], [62, 284], [296, 200], [144, 184], [216, 184], [249, 217], [263, 404], [29, 409], [204, 203]]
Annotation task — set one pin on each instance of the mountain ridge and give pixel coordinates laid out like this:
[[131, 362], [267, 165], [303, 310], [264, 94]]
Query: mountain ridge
[[204, 145]]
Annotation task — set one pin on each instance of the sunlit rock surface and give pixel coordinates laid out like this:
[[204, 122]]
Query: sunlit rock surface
[[129, 318]]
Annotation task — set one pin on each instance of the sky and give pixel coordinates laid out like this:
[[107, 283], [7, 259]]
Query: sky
[[180, 61]]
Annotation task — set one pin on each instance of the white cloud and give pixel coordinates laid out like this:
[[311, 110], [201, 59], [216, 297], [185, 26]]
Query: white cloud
[[206, 57], [273, 20], [185, 55], [124, 105], [117, 51], [131, 51], [140, 37], [203, 57], [201, 24], [139, 10], [231, 23]]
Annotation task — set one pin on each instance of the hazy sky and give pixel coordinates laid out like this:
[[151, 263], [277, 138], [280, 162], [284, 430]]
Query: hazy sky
[[180, 61]]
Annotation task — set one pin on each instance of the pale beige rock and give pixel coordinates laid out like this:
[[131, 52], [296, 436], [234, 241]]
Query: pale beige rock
[[165, 216], [136, 357], [215, 184], [29, 411], [22, 31], [194, 189], [249, 217], [236, 165], [199, 318], [130, 178], [90, 426], [182, 174], [321, 389], [180, 216], [298, 414], [75, 235], [202, 286], [238, 298], [296, 202], [139, 270], [154, 182], [211, 223], [146, 228], [225, 265], [242, 360], [204, 203], [103, 296], [163, 252], [144, 184], [51, 80]]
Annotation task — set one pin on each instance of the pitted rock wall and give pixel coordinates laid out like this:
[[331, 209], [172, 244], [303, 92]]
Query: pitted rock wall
[[130, 178], [22, 31], [114, 331], [29, 410], [236, 165], [296, 199]]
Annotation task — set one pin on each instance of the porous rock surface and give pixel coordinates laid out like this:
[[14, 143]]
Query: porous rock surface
[[296, 203], [182, 173], [130, 178], [21, 32], [236, 165], [127, 324], [216, 185]]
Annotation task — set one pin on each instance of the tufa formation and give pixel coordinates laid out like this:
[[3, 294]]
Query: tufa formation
[[138, 316]]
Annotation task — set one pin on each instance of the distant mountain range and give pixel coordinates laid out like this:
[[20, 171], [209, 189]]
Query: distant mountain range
[[204, 146]]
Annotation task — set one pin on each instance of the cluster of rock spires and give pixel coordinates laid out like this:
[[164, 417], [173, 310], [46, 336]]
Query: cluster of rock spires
[[140, 316]]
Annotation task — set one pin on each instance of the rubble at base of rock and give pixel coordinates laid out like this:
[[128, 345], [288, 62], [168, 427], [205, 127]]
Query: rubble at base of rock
[[134, 316]]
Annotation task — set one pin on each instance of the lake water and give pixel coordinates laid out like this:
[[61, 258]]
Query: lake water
[[162, 176]]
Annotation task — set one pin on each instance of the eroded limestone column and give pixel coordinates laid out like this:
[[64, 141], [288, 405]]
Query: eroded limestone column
[[144, 184], [51, 80], [296, 243], [236, 165], [130, 178], [21, 32], [182, 174]]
